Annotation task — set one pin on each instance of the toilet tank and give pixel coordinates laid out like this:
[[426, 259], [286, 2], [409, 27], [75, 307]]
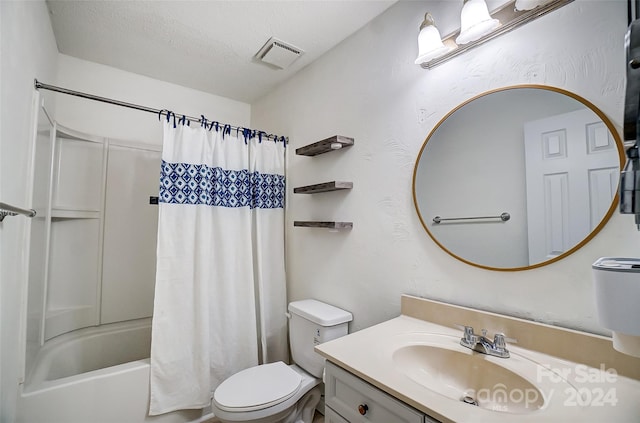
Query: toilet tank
[[311, 323]]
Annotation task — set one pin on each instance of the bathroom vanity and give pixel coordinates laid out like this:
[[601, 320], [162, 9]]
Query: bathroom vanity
[[349, 396], [413, 369]]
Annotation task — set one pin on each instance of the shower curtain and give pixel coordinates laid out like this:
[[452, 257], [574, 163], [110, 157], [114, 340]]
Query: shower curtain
[[220, 298]]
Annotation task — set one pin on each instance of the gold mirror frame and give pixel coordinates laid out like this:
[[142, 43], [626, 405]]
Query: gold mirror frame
[[614, 203]]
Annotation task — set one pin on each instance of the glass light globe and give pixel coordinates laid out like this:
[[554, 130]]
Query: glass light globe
[[430, 44], [475, 21]]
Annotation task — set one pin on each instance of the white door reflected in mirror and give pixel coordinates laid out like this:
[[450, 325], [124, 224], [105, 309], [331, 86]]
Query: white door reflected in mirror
[[571, 162]]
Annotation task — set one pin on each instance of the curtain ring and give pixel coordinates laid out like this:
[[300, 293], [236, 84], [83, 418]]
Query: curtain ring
[[226, 130], [169, 113]]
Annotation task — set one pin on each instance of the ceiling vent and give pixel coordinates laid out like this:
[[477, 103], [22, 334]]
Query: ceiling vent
[[278, 54]]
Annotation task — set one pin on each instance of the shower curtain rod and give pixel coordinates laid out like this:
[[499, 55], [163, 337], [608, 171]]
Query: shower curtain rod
[[39, 85]]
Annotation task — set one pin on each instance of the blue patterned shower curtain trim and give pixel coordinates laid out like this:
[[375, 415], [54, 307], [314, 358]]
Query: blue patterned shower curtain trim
[[182, 183]]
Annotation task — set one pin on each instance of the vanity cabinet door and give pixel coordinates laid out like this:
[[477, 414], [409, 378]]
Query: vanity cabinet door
[[357, 401]]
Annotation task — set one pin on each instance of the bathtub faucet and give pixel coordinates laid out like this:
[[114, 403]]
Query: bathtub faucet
[[482, 344]]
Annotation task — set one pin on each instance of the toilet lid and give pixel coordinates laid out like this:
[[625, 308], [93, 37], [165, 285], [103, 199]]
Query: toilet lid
[[257, 387]]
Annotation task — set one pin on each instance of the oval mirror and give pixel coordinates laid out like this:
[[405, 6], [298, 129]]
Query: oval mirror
[[519, 177]]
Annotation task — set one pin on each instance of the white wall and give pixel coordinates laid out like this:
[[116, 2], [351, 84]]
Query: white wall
[[368, 88], [28, 50], [127, 124]]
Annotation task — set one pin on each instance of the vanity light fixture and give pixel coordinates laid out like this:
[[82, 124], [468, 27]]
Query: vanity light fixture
[[475, 21], [430, 44], [478, 26]]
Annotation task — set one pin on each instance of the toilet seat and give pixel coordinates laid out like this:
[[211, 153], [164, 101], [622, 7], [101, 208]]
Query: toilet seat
[[257, 388]]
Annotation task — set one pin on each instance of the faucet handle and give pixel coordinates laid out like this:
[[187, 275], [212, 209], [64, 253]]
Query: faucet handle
[[500, 341], [469, 336], [468, 330]]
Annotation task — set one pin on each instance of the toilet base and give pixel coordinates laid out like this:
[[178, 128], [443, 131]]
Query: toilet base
[[300, 412], [306, 407]]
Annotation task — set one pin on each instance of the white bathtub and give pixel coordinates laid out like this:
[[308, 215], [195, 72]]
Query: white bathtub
[[95, 375]]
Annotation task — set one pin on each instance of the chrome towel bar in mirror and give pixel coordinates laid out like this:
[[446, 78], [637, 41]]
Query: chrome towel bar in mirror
[[504, 217]]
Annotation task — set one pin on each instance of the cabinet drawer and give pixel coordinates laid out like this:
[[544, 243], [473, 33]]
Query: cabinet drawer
[[331, 416], [349, 396]]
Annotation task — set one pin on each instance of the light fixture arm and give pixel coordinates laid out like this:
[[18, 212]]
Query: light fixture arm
[[428, 20]]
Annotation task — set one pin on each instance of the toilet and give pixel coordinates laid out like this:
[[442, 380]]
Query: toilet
[[281, 393]]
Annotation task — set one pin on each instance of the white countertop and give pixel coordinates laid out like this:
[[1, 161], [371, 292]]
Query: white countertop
[[585, 394]]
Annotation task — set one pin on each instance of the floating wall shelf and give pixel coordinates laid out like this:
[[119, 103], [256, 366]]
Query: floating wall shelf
[[326, 225], [336, 142], [324, 146], [323, 187]]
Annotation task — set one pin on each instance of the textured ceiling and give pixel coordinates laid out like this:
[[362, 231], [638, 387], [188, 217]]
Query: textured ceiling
[[206, 45]]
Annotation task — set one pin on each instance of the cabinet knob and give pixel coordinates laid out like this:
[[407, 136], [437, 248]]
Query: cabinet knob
[[363, 408]]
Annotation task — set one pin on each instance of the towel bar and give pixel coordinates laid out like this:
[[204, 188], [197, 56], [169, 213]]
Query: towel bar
[[504, 217], [9, 210]]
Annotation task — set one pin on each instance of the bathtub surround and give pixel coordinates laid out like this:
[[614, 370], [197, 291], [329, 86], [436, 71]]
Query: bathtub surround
[[85, 377], [90, 349], [95, 233], [220, 282]]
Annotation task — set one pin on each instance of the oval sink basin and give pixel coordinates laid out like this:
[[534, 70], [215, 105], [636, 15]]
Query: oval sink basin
[[467, 376]]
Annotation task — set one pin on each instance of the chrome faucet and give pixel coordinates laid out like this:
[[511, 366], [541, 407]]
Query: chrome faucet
[[482, 344]]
